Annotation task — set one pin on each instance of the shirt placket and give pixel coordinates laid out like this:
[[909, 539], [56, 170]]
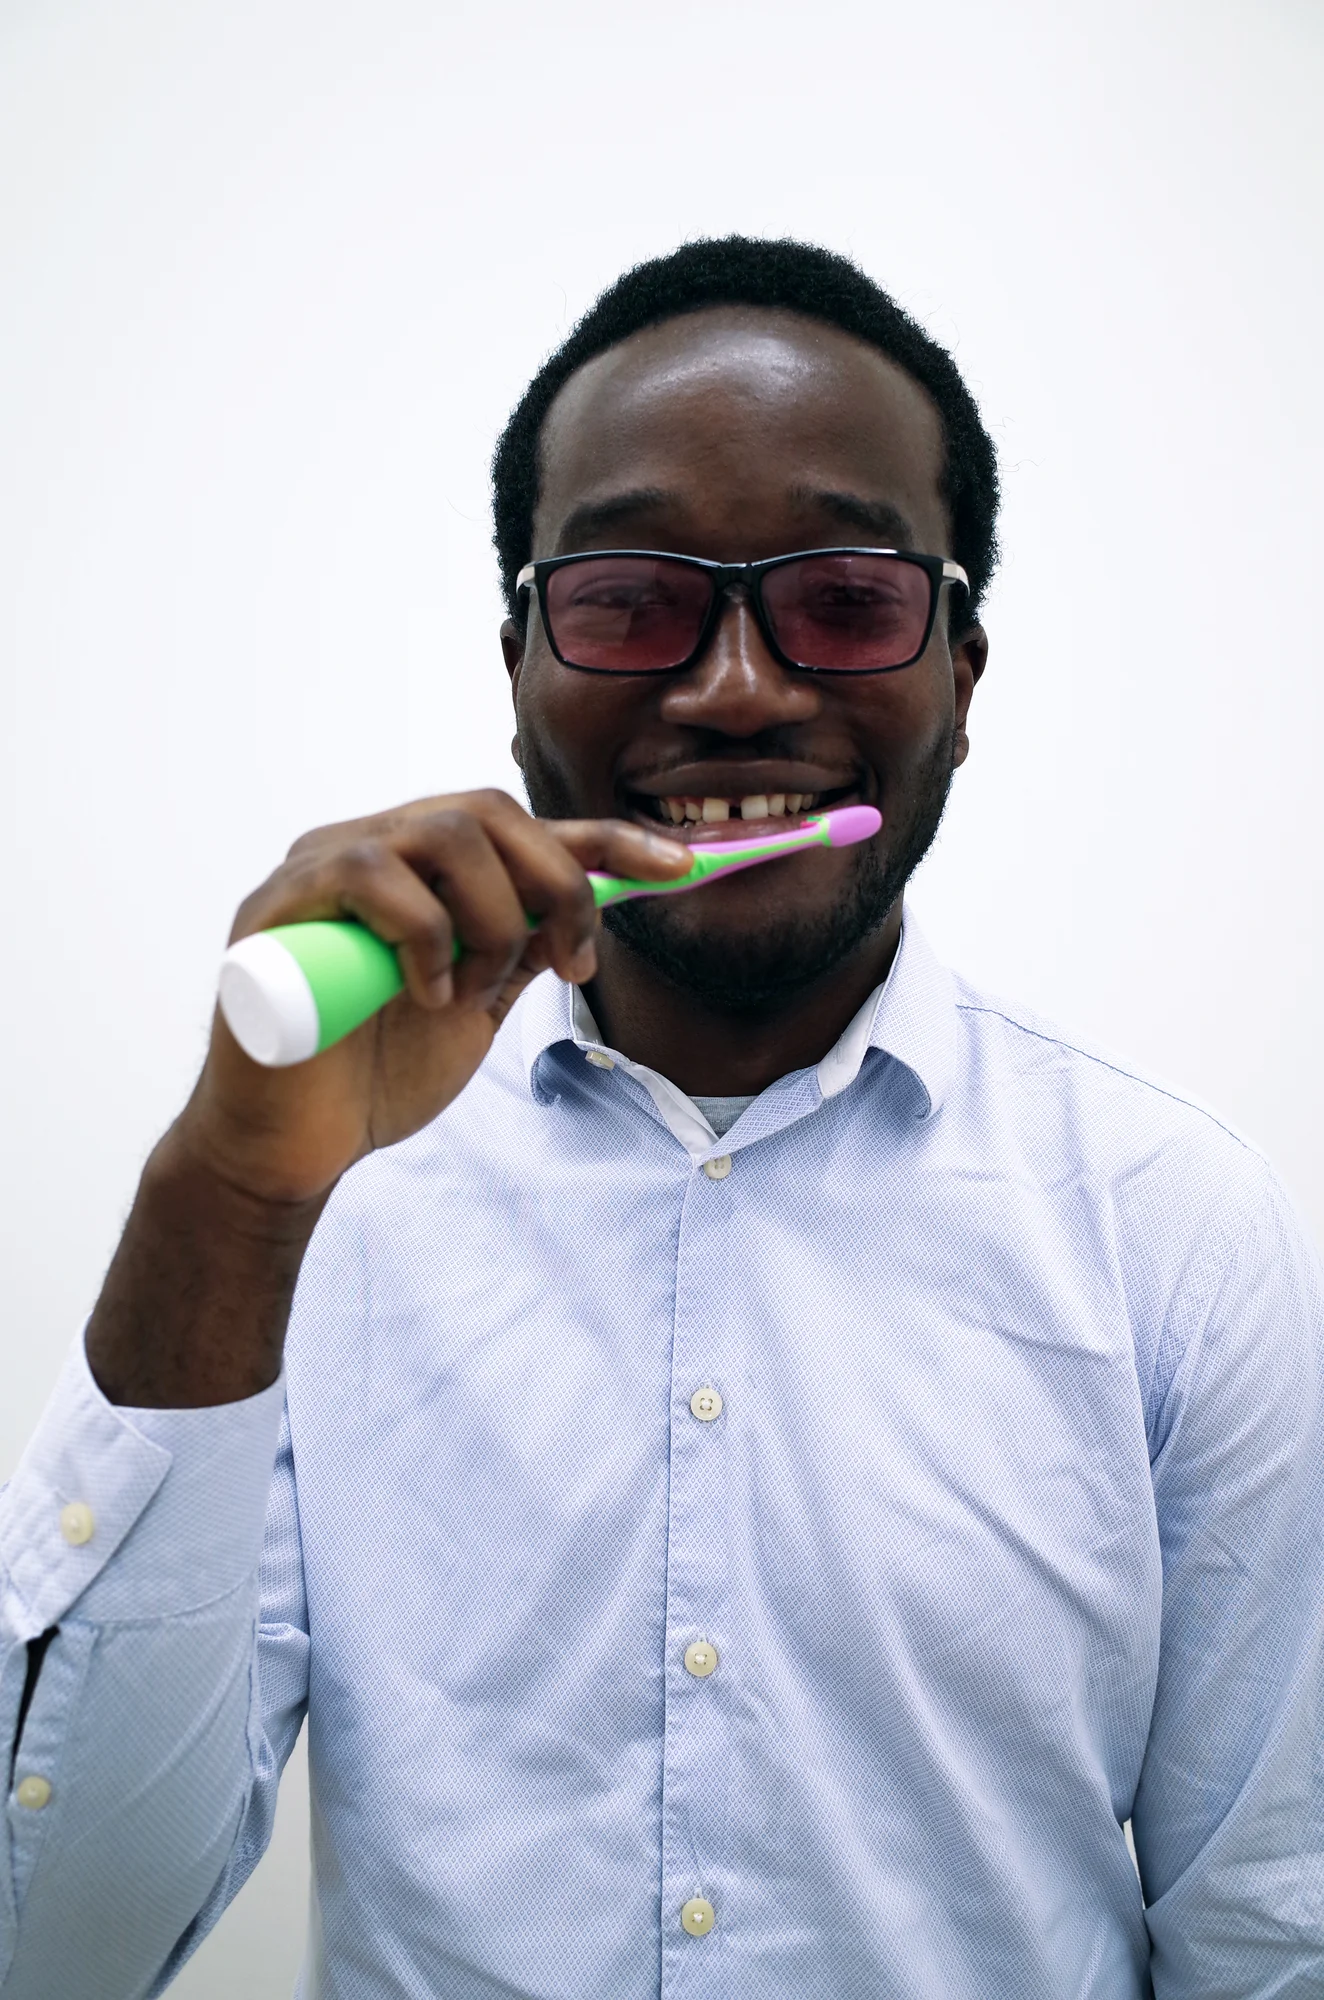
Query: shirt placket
[[700, 1666]]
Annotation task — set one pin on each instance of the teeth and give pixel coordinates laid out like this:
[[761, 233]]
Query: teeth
[[758, 805]]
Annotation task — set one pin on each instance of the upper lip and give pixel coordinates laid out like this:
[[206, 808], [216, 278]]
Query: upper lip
[[740, 781]]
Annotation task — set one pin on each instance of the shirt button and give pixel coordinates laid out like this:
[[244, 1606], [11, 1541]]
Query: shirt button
[[717, 1170], [698, 1916], [705, 1404], [599, 1059], [76, 1524], [34, 1793], [700, 1659]]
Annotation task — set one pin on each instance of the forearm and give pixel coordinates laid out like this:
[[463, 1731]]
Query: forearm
[[196, 1302]]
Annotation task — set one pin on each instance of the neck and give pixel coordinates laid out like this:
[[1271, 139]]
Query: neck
[[712, 1053]]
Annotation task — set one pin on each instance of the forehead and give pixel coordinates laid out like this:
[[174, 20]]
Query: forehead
[[732, 416]]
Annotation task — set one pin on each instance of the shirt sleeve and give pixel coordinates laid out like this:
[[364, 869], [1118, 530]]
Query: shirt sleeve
[[142, 1782], [1229, 1815]]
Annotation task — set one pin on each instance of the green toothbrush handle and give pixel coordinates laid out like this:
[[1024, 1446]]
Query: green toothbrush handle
[[292, 991]]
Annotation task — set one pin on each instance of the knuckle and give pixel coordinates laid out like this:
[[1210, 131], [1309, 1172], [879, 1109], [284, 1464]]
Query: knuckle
[[425, 921], [565, 877], [578, 888], [311, 842], [363, 859], [452, 826], [497, 941], [580, 905], [436, 936], [491, 799], [511, 937]]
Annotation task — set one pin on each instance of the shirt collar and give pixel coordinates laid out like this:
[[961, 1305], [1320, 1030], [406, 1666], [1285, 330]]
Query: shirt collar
[[910, 1017]]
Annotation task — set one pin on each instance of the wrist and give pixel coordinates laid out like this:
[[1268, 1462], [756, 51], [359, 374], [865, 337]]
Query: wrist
[[196, 1302], [184, 1178]]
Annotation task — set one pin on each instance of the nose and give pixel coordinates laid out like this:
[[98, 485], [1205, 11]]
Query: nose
[[736, 686]]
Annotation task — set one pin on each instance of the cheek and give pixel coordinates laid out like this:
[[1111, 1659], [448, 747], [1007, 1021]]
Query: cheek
[[549, 704], [902, 716], [570, 722]]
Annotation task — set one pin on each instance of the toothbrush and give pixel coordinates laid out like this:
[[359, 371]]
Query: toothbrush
[[290, 992]]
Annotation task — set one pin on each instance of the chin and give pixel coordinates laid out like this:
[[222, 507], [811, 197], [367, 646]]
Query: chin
[[762, 969]]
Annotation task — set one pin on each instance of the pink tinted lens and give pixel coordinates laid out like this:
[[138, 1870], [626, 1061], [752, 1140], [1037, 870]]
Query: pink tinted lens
[[849, 613], [627, 614]]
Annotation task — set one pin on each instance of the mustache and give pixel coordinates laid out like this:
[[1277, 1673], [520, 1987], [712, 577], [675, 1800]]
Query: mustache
[[772, 746]]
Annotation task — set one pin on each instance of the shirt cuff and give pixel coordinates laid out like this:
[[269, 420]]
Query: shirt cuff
[[177, 1497]]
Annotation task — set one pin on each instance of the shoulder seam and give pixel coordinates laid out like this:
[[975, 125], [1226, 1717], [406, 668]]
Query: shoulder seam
[[1117, 1069]]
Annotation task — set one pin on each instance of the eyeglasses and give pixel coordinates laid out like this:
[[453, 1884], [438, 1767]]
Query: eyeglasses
[[824, 611]]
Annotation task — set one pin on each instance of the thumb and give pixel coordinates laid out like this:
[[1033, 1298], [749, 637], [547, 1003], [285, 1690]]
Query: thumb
[[616, 847]]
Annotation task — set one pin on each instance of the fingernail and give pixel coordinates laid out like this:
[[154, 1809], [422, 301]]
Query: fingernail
[[584, 963], [442, 989]]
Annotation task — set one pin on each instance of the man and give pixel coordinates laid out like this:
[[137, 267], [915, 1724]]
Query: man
[[781, 1456]]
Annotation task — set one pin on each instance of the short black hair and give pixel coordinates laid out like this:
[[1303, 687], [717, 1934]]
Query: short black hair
[[785, 276]]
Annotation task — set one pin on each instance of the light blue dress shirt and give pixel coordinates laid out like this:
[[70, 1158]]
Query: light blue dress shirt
[[1007, 1529]]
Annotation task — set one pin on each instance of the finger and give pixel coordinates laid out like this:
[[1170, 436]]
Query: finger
[[550, 876], [453, 849], [557, 914], [618, 847], [368, 881], [322, 841], [465, 890]]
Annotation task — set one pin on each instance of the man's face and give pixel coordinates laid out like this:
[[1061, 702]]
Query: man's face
[[736, 434]]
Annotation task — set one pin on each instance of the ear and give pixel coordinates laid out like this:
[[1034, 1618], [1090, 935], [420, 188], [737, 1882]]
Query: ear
[[969, 658], [512, 648]]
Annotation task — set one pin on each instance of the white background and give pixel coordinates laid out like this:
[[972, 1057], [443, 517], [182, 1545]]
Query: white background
[[273, 274]]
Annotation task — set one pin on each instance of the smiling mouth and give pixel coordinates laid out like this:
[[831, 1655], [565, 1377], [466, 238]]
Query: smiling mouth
[[693, 817]]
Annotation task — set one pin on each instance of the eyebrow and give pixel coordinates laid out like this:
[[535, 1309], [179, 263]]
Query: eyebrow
[[597, 517], [876, 517]]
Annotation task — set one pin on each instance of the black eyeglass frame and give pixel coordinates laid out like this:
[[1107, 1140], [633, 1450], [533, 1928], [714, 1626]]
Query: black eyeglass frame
[[727, 577]]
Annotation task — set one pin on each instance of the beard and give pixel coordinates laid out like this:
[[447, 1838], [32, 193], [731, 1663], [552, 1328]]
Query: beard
[[761, 972]]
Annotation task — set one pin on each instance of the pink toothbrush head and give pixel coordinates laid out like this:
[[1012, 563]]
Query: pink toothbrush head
[[851, 823]]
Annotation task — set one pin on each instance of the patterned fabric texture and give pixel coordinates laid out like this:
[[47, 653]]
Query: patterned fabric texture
[[964, 1400]]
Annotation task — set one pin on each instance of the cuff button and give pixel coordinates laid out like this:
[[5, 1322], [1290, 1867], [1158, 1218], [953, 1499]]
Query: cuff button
[[34, 1793]]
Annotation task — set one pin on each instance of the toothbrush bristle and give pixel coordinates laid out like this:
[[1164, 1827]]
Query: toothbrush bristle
[[851, 823]]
